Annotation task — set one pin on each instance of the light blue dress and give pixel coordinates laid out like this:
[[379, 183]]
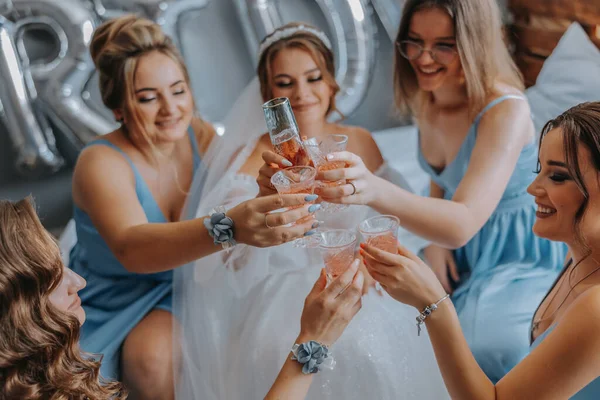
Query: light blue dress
[[591, 391], [505, 269], [115, 300]]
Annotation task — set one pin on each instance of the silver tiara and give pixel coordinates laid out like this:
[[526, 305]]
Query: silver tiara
[[288, 32]]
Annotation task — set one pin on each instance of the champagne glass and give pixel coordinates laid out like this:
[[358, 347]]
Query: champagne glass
[[381, 232], [318, 153], [337, 247], [294, 180], [283, 131]]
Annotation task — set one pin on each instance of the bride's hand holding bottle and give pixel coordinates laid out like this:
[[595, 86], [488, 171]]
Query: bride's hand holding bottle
[[273, 163], [361, 184]]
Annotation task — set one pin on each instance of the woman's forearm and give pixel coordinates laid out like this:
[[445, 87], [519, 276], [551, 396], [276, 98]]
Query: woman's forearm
[[291, 383], [443, 222], [463, 377], [151, 248]]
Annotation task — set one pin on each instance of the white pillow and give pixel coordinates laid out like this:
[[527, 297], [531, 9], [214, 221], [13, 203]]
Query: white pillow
[[571, 75]]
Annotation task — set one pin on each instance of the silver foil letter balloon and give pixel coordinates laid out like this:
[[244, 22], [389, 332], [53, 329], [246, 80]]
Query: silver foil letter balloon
[[61, 80], [389, 12], [34, 154]]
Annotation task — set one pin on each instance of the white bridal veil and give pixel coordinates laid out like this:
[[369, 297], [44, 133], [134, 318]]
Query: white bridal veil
[[239, 311]]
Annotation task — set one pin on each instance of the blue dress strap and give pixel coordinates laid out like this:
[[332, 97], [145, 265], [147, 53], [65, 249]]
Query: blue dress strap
[[495, 102], [105, 142], [195, 148]]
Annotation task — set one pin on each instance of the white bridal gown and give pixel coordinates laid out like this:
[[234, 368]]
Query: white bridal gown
[[240, 310]]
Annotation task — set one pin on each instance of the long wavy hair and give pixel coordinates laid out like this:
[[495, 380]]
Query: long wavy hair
[[580, 125], [483, 54], [40, 356], [302, 40]]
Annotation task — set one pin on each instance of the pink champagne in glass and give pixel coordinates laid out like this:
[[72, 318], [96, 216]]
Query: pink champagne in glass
[[386, 242], [319, 152], [337, 247], [283, 131], [381, 232], [295, 180]]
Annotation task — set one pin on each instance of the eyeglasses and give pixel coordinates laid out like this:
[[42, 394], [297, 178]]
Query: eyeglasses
[[440, 53]]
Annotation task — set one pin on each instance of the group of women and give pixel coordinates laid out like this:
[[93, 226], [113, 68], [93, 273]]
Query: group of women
[[168, 313]]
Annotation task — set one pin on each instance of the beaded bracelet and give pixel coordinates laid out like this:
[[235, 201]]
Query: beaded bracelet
[[313, 356], [427, 312]]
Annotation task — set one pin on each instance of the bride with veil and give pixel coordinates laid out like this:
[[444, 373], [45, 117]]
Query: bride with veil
[[240, 309]]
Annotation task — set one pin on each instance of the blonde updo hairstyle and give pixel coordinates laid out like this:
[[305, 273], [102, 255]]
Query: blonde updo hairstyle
[[302, 40], [116, 48]]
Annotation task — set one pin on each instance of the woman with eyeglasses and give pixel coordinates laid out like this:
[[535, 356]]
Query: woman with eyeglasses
[[454, 73]]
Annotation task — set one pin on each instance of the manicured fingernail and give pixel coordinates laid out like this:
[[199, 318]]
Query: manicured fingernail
[[311, 197], [316, 225], [309, 233], [314, 208], [362, 252], [286, 163], [362, 245]]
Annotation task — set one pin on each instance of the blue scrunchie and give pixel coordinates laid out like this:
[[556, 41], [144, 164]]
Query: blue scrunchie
[[311, 355], [221, 228]]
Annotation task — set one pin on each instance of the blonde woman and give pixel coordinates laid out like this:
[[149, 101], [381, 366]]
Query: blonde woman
[[129, 188], [476, 141]]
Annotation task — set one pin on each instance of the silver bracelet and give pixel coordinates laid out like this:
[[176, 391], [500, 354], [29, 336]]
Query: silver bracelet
[[427, 312], [220, 227]]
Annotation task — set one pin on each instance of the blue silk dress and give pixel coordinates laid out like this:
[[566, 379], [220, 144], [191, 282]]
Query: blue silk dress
[[116, 300], [505, 269]]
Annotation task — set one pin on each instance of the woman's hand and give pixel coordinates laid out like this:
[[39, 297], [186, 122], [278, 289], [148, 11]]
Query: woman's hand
[[328, 310], [403, 275], [360, 182], [256, 224], [442, 263], [369, 281], [273, 162]]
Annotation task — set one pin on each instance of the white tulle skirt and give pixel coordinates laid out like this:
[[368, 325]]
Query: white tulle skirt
[[243, 323]]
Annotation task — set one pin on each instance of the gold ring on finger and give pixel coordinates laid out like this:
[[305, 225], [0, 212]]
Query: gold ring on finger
[[353, 187], [267, 222]]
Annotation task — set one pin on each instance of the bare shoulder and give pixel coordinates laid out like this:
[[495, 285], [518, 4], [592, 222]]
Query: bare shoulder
[[511, 118], [205, 133], [100, 157], [516, 106], [98, 165], [361, 142], [585, 311]]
